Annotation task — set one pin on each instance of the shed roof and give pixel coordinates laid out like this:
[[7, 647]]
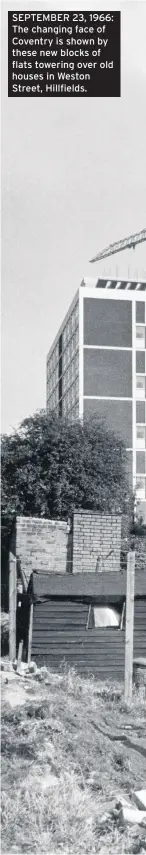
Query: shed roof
[[91, 586]]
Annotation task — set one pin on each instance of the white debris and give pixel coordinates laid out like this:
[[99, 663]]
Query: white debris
[[15, 696], [32, 668], [49, 781], [6, 665]]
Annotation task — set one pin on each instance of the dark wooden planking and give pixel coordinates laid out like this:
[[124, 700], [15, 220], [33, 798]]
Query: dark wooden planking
[[53, 629], [97, 635], [80, 645], [50, 616], [78, 649], [56, 605], [60, 635], [76, 643], [85, 671], [65, 621], [56, 621], [140, 615], [80, 658], [82, 636]]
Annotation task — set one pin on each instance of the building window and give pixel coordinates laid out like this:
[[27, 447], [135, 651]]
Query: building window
[[140, 412], [140, 488], [140, 462], [72, 347], [140, 436], [140, 362], [71, 324], [140, 336], [56, 353], [73, 320], [64, 384], [140, 312], [140, 387], [66, 352], [67, 331], [64, 338], [76, 311], [73, 369], [64, 360], [77, 362]]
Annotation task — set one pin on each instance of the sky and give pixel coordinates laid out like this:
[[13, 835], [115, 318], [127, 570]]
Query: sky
[[73, 181]]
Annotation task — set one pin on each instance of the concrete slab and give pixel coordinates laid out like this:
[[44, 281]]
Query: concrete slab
[[132, 816], [140, 799]]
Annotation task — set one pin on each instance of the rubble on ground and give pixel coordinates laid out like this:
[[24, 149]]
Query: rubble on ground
[[125, 809], [132, 810], [23, 668], [12, 670]]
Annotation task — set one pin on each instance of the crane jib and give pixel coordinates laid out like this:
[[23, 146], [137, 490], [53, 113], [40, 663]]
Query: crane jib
[[119, 246]]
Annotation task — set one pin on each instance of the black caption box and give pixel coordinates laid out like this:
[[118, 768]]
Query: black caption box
[[63, 54]]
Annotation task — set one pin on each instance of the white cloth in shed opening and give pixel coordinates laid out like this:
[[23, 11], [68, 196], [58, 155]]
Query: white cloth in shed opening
[[106, 616]]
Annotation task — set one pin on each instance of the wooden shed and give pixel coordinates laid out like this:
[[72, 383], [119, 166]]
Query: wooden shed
[[80, 619]]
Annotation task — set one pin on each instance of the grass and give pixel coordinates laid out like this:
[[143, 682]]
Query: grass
[[60, 774]]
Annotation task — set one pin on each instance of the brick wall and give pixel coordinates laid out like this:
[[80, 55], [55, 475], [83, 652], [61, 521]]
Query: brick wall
[[41, 544], [52, 547], [94, 536]]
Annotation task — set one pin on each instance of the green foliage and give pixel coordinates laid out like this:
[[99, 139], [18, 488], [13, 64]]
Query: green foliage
[[51, 467]]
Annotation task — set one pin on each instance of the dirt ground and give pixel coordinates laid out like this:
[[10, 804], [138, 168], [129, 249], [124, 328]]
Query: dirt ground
[[70, 750]]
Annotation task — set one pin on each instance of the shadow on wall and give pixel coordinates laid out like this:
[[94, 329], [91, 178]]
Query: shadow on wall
[[69, 551]]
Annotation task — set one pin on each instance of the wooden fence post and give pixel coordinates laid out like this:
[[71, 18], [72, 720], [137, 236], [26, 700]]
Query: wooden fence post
[[12, 605], [129, 629], [30, 633]]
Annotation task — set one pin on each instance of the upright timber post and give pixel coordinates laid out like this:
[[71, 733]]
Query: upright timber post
[[129, 630], [12, 605], [30, 633]]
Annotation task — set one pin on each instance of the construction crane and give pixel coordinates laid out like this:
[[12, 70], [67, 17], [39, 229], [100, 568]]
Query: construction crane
[[126, 243]]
